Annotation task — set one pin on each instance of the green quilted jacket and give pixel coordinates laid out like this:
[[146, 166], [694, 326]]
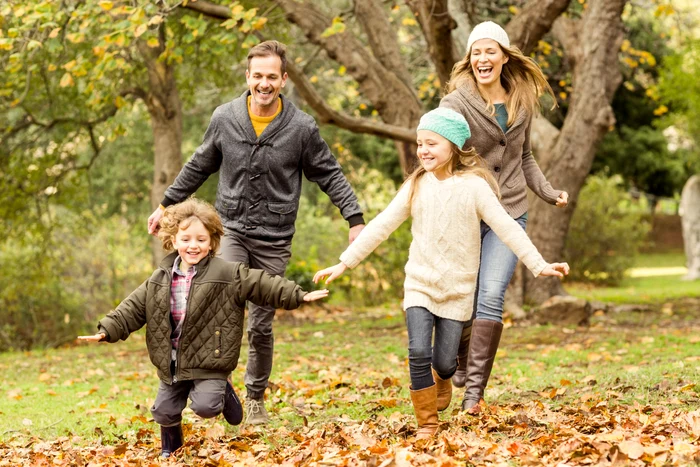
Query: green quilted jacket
[[211, 337]]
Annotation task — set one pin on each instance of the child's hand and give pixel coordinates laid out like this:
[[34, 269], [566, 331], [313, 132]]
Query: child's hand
[[96, 338], [555, 269], [316, 295], [331, 273]]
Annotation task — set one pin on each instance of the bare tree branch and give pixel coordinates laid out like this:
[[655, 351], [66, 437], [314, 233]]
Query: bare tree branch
[[567, 32], [534, 21], [382, 38], [358, 125], [437, 26]]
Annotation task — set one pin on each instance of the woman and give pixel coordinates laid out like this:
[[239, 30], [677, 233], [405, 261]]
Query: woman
[[497, 89]]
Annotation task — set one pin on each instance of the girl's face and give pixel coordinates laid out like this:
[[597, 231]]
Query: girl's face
[[192, 243], [434, 153], [487, 60]]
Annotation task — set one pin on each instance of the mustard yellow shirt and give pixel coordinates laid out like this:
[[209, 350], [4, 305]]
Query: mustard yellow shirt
[[260, 123]]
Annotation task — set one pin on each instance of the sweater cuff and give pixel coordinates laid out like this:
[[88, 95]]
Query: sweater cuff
[[550, 195], [348, 261], [356, 219], [167, 202]]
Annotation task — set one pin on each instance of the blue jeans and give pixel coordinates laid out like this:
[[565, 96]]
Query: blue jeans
[[422, 354], [495, 271]]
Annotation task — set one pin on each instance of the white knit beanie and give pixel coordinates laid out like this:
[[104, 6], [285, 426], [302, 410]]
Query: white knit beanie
[[488, 30]]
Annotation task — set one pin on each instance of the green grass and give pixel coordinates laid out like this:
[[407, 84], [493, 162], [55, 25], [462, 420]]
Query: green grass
[[352, 364], [651, 289]]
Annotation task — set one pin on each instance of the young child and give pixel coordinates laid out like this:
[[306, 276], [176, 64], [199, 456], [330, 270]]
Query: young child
[[193, 305], [447, 197]]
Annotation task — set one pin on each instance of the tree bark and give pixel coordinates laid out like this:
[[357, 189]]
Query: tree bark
[[437, 26], [596, 76], [534, 21], [164, 106]]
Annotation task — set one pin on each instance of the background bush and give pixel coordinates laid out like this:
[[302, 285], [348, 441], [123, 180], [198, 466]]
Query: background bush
[[56, 283], [607, 230]]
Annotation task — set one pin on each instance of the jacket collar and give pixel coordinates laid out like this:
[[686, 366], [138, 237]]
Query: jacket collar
[[473, 99], [168, 262], [242, 118]]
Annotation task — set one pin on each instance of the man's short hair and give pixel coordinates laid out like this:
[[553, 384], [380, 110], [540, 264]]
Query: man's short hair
[[267, 49]]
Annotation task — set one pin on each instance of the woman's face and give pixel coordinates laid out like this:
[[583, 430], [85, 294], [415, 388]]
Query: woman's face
[[487, 60]]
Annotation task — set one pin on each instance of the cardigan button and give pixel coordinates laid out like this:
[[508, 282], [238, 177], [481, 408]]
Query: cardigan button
[[216, 352], [496, 169], [502, 142], [217, 333]]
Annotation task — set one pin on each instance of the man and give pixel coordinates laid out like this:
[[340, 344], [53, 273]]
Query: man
[[261, 143]]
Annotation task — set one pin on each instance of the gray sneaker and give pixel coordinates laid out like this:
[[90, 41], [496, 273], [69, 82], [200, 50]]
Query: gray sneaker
[[255, 413]]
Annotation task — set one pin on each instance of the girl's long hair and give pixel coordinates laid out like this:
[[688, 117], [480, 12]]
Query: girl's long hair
[[521, 77], [461, 162]]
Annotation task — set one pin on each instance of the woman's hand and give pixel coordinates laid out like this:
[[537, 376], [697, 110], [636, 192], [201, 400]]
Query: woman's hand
[[96, 338], [316, 295], [556, 269], [331, 273], [563, 199]]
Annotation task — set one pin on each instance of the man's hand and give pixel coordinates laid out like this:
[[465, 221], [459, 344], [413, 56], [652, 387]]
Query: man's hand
[[316, 295], [331, 273], [354, 232], [563, 199], [153, 221], [96, 338], [555, 269]]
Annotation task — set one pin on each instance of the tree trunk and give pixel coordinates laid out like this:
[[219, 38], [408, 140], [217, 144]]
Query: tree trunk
[[164, 106], [596, 76]]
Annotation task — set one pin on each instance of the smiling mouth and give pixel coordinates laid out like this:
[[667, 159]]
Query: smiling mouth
[[484, 71], [265, 93]]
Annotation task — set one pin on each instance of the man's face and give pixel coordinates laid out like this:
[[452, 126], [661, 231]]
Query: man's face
[[265, 81]]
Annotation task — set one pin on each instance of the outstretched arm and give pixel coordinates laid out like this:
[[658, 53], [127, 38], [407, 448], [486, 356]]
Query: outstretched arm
[[509, 232]]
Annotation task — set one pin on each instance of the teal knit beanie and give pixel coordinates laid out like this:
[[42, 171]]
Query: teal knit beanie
[[446, 123]]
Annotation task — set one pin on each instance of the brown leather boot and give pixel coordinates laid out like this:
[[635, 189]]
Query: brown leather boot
[[425, 407], [444, 391], [459, 379], [486, 335]]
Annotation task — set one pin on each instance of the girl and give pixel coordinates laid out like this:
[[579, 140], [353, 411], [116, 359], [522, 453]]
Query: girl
[[496, 88], [446, 197], [193, 306]]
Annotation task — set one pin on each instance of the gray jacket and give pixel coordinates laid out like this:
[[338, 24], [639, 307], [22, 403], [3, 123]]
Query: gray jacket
[[260, 178]]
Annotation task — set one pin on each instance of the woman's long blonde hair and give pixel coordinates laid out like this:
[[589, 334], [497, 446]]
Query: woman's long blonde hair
[[521, 77], [461, 162]]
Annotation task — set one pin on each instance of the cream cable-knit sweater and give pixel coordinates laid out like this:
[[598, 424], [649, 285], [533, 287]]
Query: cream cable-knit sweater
[[443, 260]]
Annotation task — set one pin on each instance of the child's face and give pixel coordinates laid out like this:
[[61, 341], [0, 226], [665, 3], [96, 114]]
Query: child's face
[[434, 152], [192, 243]]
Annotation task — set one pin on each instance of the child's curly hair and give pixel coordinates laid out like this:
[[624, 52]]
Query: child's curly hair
[[182, 214]]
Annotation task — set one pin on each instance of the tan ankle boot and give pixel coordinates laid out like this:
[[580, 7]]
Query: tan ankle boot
[[444, 391], [485, 337], [459, 379], [425, 407]]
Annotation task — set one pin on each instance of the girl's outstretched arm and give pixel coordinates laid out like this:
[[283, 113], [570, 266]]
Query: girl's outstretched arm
[[331, 273]]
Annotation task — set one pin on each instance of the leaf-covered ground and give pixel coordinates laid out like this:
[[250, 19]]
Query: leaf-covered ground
[[619, 392]]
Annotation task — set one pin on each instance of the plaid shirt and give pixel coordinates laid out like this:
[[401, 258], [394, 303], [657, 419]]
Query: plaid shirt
[[179, 292]]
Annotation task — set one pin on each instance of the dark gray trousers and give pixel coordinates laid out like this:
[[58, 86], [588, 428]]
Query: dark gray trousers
[[207, 397], [272, 257]]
